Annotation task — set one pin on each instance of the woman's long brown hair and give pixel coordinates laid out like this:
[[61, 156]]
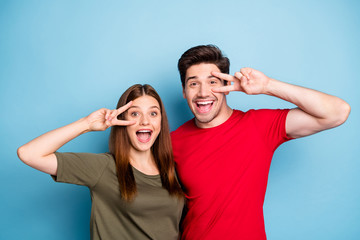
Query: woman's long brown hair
[[119, 146]]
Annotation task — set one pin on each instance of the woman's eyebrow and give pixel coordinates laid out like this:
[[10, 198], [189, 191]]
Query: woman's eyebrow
[[139, 107]]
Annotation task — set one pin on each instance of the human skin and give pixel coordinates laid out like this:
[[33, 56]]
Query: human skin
[[39, 152], [316, 111]]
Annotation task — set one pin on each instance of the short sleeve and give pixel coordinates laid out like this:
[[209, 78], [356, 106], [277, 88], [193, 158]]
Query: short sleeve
[[81, 168], [271, 124]]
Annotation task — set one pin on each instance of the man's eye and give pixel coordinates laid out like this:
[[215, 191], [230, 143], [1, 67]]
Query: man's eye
[[193, 84]]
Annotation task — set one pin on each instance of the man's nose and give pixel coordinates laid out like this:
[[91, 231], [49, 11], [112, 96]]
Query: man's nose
[[204, 90]]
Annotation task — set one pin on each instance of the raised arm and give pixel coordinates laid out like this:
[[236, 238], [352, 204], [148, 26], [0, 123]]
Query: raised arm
[[316, 111], [39, 152]]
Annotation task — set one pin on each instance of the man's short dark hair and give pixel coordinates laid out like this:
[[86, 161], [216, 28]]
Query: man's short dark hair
[[202, 54]]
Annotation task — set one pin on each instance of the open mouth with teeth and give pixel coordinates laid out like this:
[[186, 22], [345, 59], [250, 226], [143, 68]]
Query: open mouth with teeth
[[204, 106], [144, 136]]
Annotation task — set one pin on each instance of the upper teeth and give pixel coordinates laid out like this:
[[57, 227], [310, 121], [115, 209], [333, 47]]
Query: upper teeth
[[204, 103], [144, 131]]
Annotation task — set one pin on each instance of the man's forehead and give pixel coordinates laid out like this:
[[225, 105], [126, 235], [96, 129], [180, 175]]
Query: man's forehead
[[203, 67], [202, 70]]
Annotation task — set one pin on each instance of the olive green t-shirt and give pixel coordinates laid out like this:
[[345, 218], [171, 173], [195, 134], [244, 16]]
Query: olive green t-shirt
[[153, 214]]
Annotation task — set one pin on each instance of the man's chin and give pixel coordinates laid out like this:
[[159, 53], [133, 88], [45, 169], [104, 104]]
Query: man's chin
[[203, 119]]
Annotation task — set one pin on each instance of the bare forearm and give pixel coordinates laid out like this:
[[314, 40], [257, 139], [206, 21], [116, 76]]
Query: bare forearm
[[51, 141], [331, 110], [39, 153], [316, 111]]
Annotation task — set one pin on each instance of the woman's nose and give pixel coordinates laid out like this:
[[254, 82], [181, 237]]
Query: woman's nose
[[144, 120]]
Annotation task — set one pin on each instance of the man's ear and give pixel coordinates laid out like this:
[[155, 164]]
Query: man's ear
[[184, 96]]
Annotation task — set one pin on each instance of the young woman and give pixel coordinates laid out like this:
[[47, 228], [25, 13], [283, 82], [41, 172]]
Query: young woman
[[133, 188]]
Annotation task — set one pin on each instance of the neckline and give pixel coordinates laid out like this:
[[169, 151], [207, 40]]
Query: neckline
[[138, 172], [235, 112]]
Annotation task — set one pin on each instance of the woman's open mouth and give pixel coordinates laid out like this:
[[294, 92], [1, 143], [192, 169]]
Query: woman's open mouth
[[144, 136]]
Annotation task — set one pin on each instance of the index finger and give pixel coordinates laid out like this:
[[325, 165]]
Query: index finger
[[124, 108], [223, 89], [123, 122], [224, 76]]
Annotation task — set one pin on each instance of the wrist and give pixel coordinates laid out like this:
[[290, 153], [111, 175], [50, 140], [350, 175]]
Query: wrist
[[270, 87], [84, 125]]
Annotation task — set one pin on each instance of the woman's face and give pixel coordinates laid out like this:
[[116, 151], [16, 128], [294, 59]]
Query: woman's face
[[145, 110]]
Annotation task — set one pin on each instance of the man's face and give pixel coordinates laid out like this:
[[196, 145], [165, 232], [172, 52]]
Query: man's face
[[209, 108]]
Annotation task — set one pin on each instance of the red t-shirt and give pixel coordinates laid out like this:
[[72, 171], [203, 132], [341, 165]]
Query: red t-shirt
[[224, 172]]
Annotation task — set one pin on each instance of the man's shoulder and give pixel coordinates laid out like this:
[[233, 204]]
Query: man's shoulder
[[264, 112], [187, 126]]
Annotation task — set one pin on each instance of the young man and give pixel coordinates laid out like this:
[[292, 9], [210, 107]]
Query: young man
[[223, 155]]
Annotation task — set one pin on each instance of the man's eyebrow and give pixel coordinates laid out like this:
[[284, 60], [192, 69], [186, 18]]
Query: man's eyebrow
[[195, 77], [211, 76], [189, 78]]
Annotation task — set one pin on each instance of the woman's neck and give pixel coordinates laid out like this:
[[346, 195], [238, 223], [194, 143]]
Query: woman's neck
[[144, 162]]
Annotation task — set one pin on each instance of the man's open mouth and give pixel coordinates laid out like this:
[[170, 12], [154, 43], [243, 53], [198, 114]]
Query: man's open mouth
[[204, 106], [143, 136]]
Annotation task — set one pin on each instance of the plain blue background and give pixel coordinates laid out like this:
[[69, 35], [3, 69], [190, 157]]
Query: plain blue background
[[61, 60]]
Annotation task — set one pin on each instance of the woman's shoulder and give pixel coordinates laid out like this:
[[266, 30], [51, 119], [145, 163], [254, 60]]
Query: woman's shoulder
[[102, 157]]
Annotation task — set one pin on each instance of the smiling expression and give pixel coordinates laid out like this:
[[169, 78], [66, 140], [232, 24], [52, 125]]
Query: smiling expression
[[145, 111], [209, 108]]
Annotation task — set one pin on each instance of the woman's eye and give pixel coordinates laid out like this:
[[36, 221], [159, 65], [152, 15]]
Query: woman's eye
[[213, 82], [153, 114], [134, 114]]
